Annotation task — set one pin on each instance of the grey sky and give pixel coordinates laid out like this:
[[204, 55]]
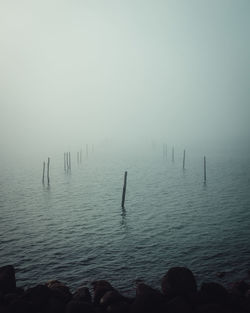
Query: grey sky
[[86, 71]]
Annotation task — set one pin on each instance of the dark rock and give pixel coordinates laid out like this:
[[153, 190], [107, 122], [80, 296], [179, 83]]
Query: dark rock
[[240, 287], [21, 306], [118, 307], [221, 274], [179, 305], [56, 304], [74, 306], [100, 288], [178, 281], [38, 296], [211, 308], [213, 293], [147, 300], [82, 294], [60, 289], [7, 279], [110, 297]]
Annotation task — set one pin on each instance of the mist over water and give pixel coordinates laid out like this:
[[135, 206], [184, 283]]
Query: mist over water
[[124, 78], [75, 229]]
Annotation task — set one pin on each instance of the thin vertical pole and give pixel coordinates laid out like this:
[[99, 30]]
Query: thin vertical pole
[[81, 156], [43, 172], [172, 154], [87, 150], [184, 157], [77, 157], [48, 170], [69, 161], [64, 161], [124, 188], [205, 170]]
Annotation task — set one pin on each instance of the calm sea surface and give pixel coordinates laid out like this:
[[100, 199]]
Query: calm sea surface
[[75, 230]]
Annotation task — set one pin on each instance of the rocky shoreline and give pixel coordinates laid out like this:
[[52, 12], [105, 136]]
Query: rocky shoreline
[[178, 294]]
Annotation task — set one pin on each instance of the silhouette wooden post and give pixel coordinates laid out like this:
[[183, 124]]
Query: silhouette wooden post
[[43, 172], [87, 150], [205, 170], [124, 188], [184, 157], [69, 161], [172, 154], [48, 170]]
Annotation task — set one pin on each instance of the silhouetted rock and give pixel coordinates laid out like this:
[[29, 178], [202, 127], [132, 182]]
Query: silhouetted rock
[[21, 306], [82, 294], [212, 308], [240, 287], [179, 305], [214, 293], [60, 289], [74, 306], [118, 307], [220, 274], [178, 281], [56, 304], [100, 287], [7, 279], [38, 296], [111, 297], [147, 299]]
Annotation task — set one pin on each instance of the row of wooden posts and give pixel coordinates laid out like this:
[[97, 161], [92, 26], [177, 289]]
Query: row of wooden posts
[[67, 166], [165, 153]]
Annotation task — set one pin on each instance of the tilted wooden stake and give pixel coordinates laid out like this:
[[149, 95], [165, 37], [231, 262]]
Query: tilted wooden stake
[[205, 170], [48, 170], [124, 189]]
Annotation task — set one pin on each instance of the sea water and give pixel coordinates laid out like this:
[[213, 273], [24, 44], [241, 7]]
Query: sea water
[[75, 230]]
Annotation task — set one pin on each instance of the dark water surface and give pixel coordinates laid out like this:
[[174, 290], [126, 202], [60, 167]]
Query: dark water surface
[[75, 230]]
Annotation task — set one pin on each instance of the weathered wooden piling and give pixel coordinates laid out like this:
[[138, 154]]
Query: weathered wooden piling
[[69, 161], [205, 170], [184, 159], [48, 163], [43, 172], [87, 150], [172, 154], [124, 188]]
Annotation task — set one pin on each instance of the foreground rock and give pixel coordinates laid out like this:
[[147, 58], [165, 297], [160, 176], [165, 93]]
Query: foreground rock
[[178, 281], [7, 279], [179, 295]]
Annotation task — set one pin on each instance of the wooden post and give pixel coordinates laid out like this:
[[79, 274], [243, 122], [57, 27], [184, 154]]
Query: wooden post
[[48, 170], [43, 172], [205, 170], [172, 154], [69, 161], [124, 188], [87, 150], [81, 156], [64, 161], [184, 157]]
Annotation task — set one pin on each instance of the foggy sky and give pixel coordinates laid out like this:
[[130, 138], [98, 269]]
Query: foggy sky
[[128, 71]]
